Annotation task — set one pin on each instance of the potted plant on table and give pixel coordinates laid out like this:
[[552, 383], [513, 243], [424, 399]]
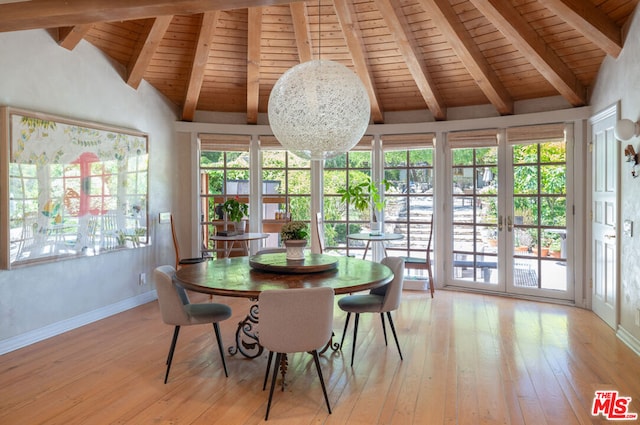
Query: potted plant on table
[[294, 235], [365, 197], [236, 211]]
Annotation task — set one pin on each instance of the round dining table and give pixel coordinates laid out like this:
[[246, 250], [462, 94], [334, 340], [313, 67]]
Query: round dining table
[[247, 277]]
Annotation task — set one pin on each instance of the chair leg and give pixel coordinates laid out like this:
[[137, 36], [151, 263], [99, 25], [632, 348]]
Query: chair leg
[[355, 335], [266, 375], [430, 274], [393, 329], [324, 389], [216, 328], [273, 385], [344, 332], [176, 331], [384, 328]]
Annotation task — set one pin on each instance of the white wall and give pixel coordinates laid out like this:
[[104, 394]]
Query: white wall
[[37, 74], [619, 80]]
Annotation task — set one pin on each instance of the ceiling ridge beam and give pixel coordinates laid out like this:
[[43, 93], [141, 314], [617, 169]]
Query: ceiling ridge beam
[[254, 32], [200, 59], [589, 21], [146, 48], [412, 56], [525, 39], [37, 14], [301, 29], [447, 21], [69, 37], [351, 30]]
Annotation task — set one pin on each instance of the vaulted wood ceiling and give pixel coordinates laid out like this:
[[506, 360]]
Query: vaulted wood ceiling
[[226, 55]]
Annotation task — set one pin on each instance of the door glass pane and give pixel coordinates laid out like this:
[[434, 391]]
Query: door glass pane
[[475, 216], [539, 216]]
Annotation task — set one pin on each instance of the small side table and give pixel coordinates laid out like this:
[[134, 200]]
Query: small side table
[[381, 238], [242, 238]]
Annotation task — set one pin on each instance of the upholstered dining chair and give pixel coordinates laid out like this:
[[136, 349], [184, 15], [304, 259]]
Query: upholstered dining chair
[[420, 263], [293, 321], [384, 299], [182, 261], [176, 310]]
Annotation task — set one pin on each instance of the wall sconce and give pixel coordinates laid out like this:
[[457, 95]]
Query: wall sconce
[[626, 129], [632, 157]]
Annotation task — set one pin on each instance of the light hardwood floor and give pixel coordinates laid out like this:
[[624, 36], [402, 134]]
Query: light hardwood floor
[[468, 359]]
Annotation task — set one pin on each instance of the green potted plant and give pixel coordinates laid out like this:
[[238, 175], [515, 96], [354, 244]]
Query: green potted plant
[[555, 248], [365, 197], [236, 211], [545, 246], [294, 235]]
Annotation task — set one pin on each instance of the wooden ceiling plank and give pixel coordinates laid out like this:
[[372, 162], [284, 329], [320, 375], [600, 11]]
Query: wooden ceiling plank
[[349, 24], [300, 18], [69, 37], [446, 19], [524, 38], [590, 22], [196, 76], [397, 23], [253, 63], [145, 49], [36, 14]]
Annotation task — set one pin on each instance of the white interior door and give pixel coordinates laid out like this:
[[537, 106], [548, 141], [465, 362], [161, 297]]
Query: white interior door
[[604, 212]]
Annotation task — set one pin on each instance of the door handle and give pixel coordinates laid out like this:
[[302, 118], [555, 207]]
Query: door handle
[[610, 236], [500, 223], [509, 223]]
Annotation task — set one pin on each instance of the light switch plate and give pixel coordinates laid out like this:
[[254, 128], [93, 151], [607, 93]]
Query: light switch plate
[[627, 228], [164, 217]]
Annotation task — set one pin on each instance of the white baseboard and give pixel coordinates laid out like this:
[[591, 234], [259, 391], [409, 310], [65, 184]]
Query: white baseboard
[[631, 341], [63, 326]]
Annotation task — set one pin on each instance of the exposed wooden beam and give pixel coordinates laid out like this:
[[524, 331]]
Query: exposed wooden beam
[[254, 31], [62, 13], [412, 55], [300, 18], [447, 21], [524, 38], [69, 37], [207, 29], [351, 30], [589, 21], [145, 49]]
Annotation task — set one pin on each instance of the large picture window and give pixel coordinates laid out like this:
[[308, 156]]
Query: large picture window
[[224, 174], [409, 170], [286, 190], [339, 219]]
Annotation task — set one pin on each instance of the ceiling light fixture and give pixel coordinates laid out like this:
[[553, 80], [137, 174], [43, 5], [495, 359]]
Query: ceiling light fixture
[[319, 109]]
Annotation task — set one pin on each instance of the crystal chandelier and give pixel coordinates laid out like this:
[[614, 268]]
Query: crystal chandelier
[[318, 109]]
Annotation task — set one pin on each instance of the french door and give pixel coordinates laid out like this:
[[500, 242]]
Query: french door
[[510, 224]]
